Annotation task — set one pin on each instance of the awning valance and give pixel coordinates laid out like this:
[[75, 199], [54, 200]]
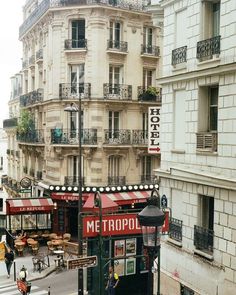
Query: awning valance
[[123, 198], [29, 205], [64, 196]]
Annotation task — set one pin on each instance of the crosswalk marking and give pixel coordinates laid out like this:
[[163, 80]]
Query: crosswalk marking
[[12, 290]]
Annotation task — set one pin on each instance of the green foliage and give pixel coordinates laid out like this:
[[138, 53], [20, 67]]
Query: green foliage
[[25, 122], [151, 90]]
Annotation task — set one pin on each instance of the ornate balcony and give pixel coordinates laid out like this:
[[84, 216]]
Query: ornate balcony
[[139, 137], [209, 47], [175, 229], [31, 98], [207, 141], [117, 46], [179, 55], [203, 238], [150, 50], [10, 123], [68, 136], [73, 180], [39, 55], [149, 94], [117, 91], [74, 90], [116, 180], [33, 136], [117, 136], [71, 44]]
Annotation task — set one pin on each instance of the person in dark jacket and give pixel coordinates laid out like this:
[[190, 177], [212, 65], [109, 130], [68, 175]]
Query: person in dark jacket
[[112, 282], [9, 258]]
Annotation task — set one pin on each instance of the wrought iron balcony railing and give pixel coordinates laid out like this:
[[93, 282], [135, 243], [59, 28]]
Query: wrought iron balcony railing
[[73, 180], [47, 4], [148, 178], [120, 46], [179, 55], [10, 123], [116, 180], [39, 175], [12, 152], [139, 137], [32, 136], [68, 136], [32, 60], [39, 54], [74, 90], [209, 47], [71, 44], [149, 94], [117, 136], [31, 98], [117, 91], [175, 229], [150, 50], [207, 141], [203, 238]]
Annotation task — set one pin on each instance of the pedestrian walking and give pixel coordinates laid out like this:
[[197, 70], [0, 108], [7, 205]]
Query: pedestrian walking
[[9, 258], [113, 280]]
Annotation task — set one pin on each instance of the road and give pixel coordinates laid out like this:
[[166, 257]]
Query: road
[[62, 283]]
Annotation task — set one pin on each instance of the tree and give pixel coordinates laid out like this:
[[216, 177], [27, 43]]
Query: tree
[[25, 122]]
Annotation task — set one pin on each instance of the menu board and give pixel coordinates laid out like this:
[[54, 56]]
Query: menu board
[[119, 248]]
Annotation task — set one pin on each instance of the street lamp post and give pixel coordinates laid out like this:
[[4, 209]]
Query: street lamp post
[[75, 108], [151, 219]]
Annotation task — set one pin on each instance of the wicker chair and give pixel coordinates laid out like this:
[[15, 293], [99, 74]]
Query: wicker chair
[[66, 237], [50, 247], [35, 248]]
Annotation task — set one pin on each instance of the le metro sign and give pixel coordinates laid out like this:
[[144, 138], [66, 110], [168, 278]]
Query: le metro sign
[[154, 130], [113, 225]]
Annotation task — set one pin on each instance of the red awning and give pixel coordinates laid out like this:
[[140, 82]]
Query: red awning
[[23, 205], [107, 204], [124, 198], [65, 196]]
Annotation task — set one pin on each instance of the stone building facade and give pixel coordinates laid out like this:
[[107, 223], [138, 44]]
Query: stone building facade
[[198, 145]]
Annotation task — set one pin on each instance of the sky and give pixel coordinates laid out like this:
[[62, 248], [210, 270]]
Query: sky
[[11, 18]]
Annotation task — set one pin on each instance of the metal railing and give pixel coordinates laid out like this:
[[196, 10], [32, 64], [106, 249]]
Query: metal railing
[[32, 136], [117, 136], [203, 238], [121, 46], [207, 141], [71, 44], [40, 10], [68, 136], [209, 47], [73, 180], [117, 91], [39, 54], [31, 98], [150, 50], [74, 90], [144, 94], [9, 123], [175, 229], [116, 180], [179, 55], [139, 137], [17, 154]]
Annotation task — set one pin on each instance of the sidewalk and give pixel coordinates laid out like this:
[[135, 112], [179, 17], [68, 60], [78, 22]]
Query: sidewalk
[[27, 262]]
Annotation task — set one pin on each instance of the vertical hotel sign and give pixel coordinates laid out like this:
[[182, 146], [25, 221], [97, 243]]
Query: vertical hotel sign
[[154, 130]]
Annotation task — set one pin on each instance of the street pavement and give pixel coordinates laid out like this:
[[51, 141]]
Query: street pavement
[[25, 260]]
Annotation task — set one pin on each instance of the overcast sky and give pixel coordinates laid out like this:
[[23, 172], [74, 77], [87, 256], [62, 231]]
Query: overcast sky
[[10, 50]]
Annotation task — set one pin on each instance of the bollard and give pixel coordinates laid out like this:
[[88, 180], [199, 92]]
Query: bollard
[[48, 261], [49, 292], [14, 265]]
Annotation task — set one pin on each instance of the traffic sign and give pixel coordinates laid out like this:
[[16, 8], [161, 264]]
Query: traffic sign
[[83, 262]]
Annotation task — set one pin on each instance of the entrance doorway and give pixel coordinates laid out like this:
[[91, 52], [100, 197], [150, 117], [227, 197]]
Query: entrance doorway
[[73, 222]]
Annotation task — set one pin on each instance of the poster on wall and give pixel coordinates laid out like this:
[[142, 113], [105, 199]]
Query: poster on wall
[[130, 266], [119, 248], [130, 247], [119, 267]]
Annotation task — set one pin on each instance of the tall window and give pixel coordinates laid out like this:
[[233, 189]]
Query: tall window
[[181, 28], [115, 31], [147, 77], [211, 19], [146, 172], [206, 212], [73, 168], [78, 33], [114, 124], [213, 108], [77, 78], [114, 164], [74, 124], [114, 79], [147, 36]]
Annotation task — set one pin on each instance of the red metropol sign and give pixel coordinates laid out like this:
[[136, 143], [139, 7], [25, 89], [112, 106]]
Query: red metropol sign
[[114, 225]]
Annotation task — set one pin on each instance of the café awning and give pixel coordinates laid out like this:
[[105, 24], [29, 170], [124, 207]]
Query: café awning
[[107, 204], [29, 205], [124, 198]]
